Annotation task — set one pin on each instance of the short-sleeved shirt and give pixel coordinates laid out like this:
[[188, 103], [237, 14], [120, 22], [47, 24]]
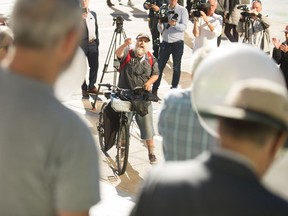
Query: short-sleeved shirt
[[183, 136], [48, 157], [137, 71]]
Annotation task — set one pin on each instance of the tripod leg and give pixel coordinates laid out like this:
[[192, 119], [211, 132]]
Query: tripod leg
[[106, 64], [112, 48]]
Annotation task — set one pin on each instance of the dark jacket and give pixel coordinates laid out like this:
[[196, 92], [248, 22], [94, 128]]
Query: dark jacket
[[208, 186], [281, 59]]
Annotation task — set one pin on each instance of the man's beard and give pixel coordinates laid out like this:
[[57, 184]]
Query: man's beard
[[139, 51]]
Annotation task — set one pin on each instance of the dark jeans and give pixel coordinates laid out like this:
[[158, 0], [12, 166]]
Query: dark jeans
[[176, 49], [234, 36], [91, 51], [155, 35]]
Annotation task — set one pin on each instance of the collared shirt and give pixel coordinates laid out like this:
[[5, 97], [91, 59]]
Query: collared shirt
[[183, 136], [90, 21], [175, 33]]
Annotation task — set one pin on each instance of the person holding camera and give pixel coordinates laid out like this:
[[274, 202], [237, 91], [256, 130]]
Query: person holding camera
[[280, 54], [154, 6], [255, 27], [90, 46], [207, 27], [171, 26]]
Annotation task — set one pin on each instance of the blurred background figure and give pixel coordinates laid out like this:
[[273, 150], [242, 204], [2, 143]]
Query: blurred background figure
[[6, 41], [90, 46], [231, 21], [172, 27], [221, 9], [254, 26], [51, 166], [179, 125], [153, 18], [280, 53]]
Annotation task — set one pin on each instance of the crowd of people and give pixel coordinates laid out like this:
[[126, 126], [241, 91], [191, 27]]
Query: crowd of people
[[53, 160]]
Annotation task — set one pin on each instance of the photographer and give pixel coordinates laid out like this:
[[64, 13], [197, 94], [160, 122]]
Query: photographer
[[208, 27], [154, 6], [172, 30], [280, 54], [255, 26]]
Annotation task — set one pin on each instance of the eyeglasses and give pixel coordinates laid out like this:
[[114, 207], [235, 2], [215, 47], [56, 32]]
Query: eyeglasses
[[143, 40], [258, 1]]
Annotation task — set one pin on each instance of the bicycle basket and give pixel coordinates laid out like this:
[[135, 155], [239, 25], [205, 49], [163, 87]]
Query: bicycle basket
[[120, 106]]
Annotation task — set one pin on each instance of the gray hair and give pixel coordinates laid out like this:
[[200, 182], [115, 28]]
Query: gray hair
[[42, 23]]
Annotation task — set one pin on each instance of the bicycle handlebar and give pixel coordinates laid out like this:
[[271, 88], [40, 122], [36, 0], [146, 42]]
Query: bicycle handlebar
[[125, 92]]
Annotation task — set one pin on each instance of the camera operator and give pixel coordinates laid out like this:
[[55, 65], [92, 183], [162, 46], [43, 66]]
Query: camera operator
[[172, 33], [208, 27], [255, 26], [154, 6]]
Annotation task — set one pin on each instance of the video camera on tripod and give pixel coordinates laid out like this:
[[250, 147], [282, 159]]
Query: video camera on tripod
[[119, 23], [246, 15]]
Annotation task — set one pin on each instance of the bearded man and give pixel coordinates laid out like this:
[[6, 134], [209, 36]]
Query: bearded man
[[139, 68]]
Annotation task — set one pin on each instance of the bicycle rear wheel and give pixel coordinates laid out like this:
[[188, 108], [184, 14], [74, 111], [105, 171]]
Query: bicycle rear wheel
[[122, 145], [100, 127]]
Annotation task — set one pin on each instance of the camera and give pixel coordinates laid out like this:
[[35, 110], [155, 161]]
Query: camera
[[197, 6], [245, 14], [119, 22], [164, 12], [149, 4]]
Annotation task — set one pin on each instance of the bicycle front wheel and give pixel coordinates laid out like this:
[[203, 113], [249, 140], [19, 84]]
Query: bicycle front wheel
[[122, 145], [100, 127]]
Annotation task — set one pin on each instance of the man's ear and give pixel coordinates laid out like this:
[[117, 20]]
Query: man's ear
[[279, 141]]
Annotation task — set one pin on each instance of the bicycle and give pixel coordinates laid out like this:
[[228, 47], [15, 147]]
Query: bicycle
[[120, 101]]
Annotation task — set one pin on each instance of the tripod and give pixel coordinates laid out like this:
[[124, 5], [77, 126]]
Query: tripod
[[116, 41], [247, 36]]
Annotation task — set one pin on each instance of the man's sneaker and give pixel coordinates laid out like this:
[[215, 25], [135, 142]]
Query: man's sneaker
[[152, 158]]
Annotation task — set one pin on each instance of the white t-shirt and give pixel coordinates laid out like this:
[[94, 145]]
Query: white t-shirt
[[206, 36]]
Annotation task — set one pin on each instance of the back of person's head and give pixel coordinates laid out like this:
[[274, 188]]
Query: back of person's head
[[42, 23], [254, 110], [254, 132]]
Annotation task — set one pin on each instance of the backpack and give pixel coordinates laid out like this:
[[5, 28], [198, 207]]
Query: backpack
[[128, 58]]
